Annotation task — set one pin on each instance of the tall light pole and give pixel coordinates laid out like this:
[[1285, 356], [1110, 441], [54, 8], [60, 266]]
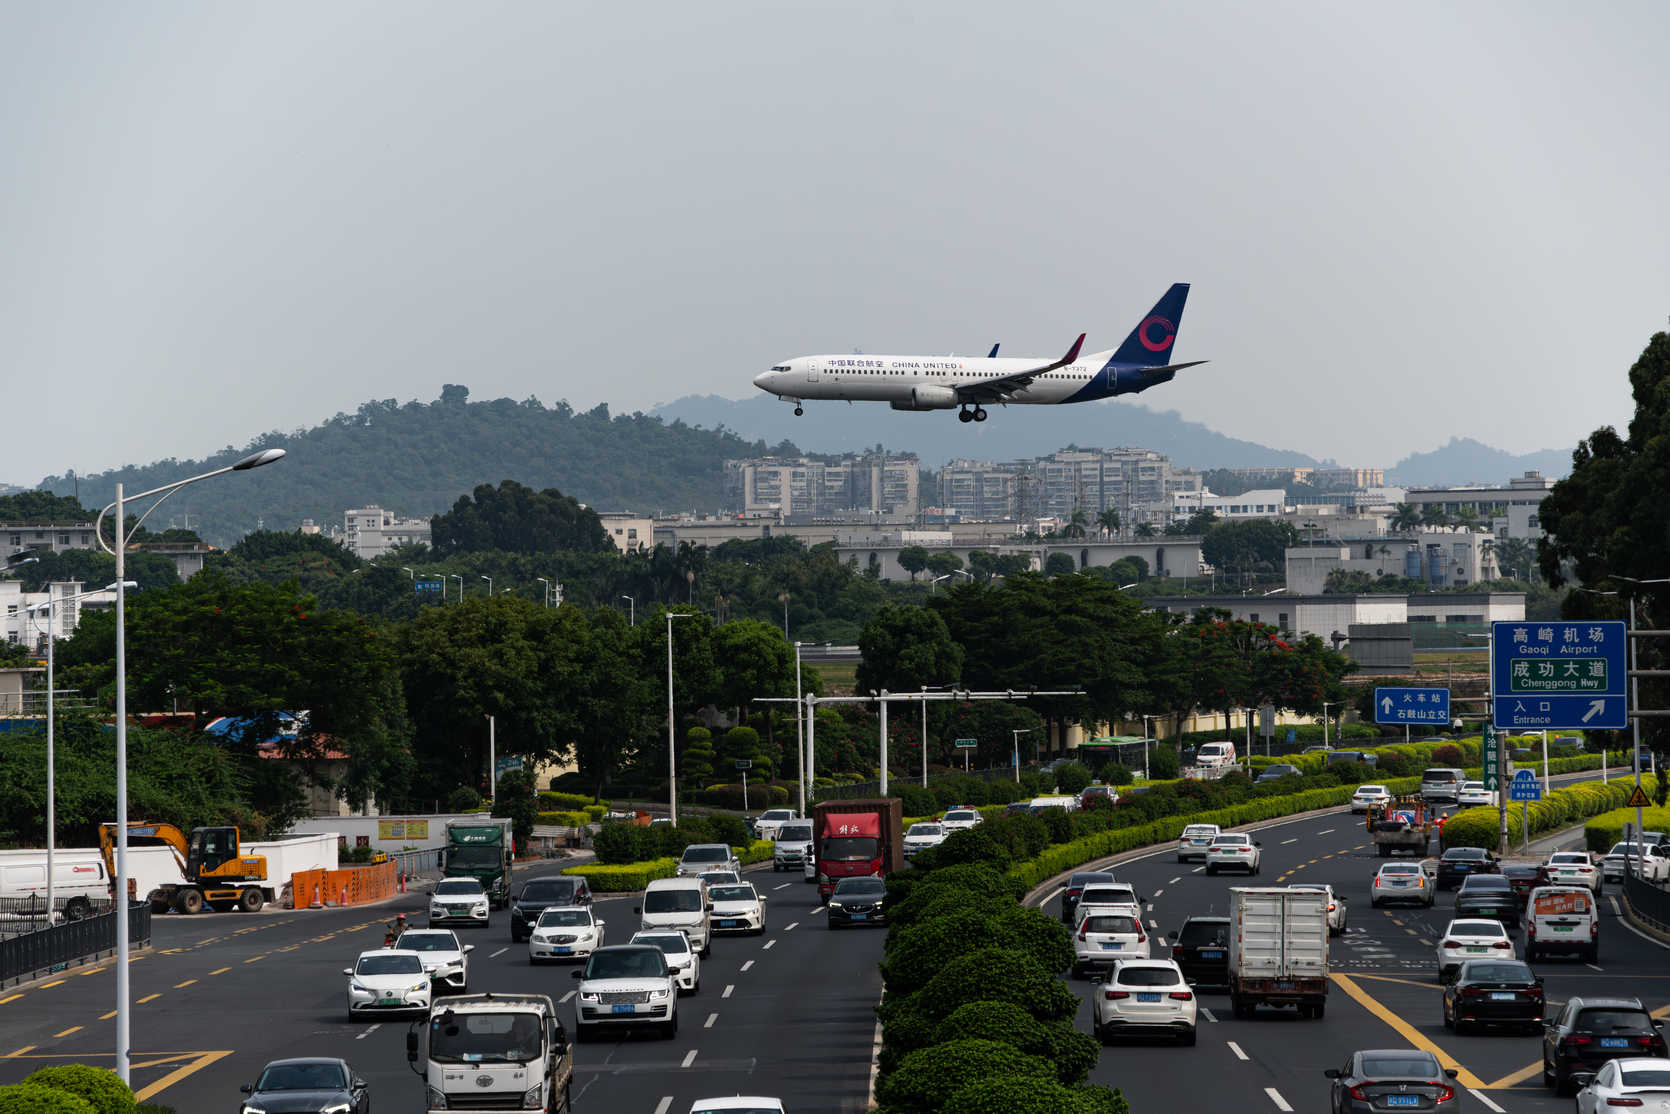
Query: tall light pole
[[121, 535], [547, 584], [455, 576], [631, 611], [799, 732], [1634, 703], [883, 745], [1326, 704], [924, 736], [934, 584], [1145, 718], [492, 761], [408, 572], [672, 745], [1017, 732], [489, 585], [784, 597]]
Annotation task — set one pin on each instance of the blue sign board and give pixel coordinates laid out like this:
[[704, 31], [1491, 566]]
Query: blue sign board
[[1292, 734], [1412, 706], [1559, 675], [429, 588], [1524, 786]]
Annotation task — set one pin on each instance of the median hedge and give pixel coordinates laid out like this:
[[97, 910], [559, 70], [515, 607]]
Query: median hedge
[[1608, 828], [563, 819], [100, 1089], [614, 878], [1480, 827]]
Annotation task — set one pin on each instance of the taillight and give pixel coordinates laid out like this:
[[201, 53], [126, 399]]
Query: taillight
[[1445, 1091], [1447, 943], [1141, 939], [1181, 996], [1501, 944], [1594, 928], [1533, 992], [1472, 992], [1330, 907], [1359, 1094], [1081, 934], [1626, 1101], [1530, 930], [1576, 1040], [1115, 995], [1176, 951]]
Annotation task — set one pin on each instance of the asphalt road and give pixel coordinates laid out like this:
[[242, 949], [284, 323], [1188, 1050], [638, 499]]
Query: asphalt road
[[1385, 992], [789, 1014]]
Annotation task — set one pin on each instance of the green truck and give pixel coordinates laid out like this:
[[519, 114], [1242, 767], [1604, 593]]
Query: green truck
[[480, 849]]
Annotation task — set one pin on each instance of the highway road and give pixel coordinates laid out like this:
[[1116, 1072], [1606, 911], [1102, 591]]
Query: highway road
[[1385, 992], [790, 1013]]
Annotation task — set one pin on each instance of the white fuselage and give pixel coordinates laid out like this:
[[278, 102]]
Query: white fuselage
[[900, 378]]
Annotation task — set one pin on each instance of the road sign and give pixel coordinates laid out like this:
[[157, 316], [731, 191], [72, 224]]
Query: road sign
[[968, 742], [1559, 674], [1267, 720], [1491, 756], [1412, 706], [1638, 799], [1524, 787], [745, 763], [1292, 734]]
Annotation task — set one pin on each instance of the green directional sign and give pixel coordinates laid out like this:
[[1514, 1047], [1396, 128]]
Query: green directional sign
[[1491, 757], [968, 742], [744, 764]]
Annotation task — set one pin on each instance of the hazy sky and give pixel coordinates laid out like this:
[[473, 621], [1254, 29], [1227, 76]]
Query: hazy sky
[[1403, 222]]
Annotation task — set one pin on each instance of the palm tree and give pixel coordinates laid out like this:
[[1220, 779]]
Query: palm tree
[[1145, 530], [1434, 515], [1405, 518], [1467, 517], [1076, 524], [1109, 521]]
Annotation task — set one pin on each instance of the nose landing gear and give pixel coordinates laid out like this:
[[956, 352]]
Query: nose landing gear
[[799, 411]]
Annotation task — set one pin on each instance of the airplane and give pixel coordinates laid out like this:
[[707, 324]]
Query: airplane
[[968, 384]]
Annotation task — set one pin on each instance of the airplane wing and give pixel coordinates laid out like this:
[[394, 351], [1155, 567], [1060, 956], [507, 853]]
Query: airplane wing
[[1000, 387]]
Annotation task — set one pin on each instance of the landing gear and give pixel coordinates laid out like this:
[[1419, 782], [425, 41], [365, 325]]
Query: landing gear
[[965, 415], [978, 414], [799, 411]]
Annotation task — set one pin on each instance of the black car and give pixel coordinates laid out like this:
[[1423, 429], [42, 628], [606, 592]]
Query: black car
[[1488, 895], [1277, 772], [858, 901], [1493, 992], [1459, 862], [540, 894], [312, 1084], [1016, 808], [1384, 1078], [1201, 950], [1590, 1031], [1523, 878], [1075, 889]]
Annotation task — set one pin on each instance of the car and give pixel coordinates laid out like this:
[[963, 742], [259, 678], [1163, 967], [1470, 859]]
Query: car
[[1456, 863], [1098, 794], [1642, 1083], [387, 981], [1074, 890], [1400, 882], [1473, 794], [1201, 950], [712, 878], [1652, 838], [626, 985], [682, 959], [771, 820], [793, 846], [1336, 904], [540, 894], [1655, 864], [678, 903], [707, 856], [1215, 756], [307, 1083], [958, 819], [1468, 939], [738, 1104], [1108, 897], [1383, 1079], [1589, 1032], [446, 960], [1493, 992], [1572, 868], [1233, 851], [1615, 862], [1365, 757], [1193, 842], [1488, 895], [923, 836], [860, 900], [738, 908], [571, 933], [459, 901], [1442, 783], [1318, 749], [1276, 772], [1564, 745], [1146, 997], [1039, 805], [1563, 920], [1103, 939], [1367, 795], [1017, 808], [1523, 877]]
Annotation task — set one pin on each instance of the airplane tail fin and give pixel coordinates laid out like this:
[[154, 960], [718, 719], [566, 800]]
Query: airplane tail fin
[[1150, 343]]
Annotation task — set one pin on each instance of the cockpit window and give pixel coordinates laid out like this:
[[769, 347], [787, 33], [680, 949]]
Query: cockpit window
[[780, 367]]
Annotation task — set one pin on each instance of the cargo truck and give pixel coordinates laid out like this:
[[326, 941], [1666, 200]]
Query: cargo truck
[[1278, 949], [857, 838], [480, 849], [1400, 824], [503, 1053]]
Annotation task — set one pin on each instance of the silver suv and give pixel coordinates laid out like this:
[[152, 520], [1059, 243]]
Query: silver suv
[[1442, 783], [702, 857]]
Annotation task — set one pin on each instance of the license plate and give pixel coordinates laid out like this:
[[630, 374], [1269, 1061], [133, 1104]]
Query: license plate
[[860, 916], [391, 1001], [1112, 947], [1614, 1042], [727, 924], [1400, 883], [563, 951], [1403, 1100], [1211, 955], [1476, 949], [1148, 997], [1502, 996], [621, 1007], [1281, 984], [1562, 928]]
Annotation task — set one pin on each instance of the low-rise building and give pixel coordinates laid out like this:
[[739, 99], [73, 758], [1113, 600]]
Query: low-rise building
[[1510, 512], [372, 531], [630, 532], [1439, 558]]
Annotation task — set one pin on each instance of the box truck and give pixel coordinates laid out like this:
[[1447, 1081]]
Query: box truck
[[1278, 949], [857, 838]]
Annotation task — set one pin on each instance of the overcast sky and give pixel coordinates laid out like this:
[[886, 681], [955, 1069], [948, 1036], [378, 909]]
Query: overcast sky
[[1403, 222]]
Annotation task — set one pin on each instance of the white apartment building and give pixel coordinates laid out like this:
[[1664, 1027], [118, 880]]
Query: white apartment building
[[371, 531], [1511, 511], [787, 486], [22, 626], [1260, 503], [629, 532]]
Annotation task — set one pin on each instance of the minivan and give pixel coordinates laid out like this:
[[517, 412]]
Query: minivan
[[1213, 756], [1562, 920], [1442, 783], [79, 879], [678, 903]]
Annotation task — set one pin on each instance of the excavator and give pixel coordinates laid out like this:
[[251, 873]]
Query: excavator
[[216, 875]]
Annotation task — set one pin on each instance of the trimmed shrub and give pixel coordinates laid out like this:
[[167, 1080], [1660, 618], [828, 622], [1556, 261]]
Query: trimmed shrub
[[1163, 763], [917, 801], [1478, 827], [1021, 1094], [1072, 777], [901, 1036], [1118, 775], [1608, 828], [994, 974], [553, 800], [966, 845], [720, 828], [760, 795], [32, 1098], [1448, 755], [99, 1088], [1073, 1053], [563, 819], [926, 1078], [917, 952], [623, 878], [754, 851]]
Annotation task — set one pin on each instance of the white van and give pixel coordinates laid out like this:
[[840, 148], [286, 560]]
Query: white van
[[1039, 804], [1215, 756], [678, 903], [1562, 920], [78, 879]]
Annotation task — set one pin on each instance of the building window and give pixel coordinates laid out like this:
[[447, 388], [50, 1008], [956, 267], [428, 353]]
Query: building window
[[1281, 620], [63, 539]]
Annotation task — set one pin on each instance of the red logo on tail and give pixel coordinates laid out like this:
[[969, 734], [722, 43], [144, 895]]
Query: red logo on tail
[[1167, 331]]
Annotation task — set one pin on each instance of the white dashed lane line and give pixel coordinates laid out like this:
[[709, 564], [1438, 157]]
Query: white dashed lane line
[[665, 1103], [1285, 842], [791, 926], [745, 966], [784, 886], [727, 991], [1484, 1100], [1197, 870], [816, 911], [1326, 831], [1174, 881], [566, 998], [768, 945], [362, 1034], [1275, 1097], [689, 1058], [1235, 1048], [711, 1018], [498, 953], [1210, 1016]]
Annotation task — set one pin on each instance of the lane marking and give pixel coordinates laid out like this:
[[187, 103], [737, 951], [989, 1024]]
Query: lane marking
[[1152, 923], [1149, 908], [221, 971], [254, 959], [816, 911], [498, 953], [1592, 967], [791, 926], [53, 983], [768, 945], [21, 1051], [711, 1018], [368, 1031], [1285, 842], [1053, 894], [1408, 1032], [1235, 1048], [1535, 1069], [1197, 870], [1326, 831], [726, 993], [183, 985], [178, 1074], [1210, 1016], [744, 968], [1405, 982], [1157, 893], [67, 1032], [784, 886], [1616, 911], [1174, 881], [147, 998], [1485, 1100], [1275, 1097], [662, 1106], [107, 1016], [689, 1058], [566, 998], [13, 998]]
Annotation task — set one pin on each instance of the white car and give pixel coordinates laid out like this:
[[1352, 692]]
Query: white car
[[771, 820], [1402, 882], [1143, 996], [1107, 897], [1103, 939], [565, 932], [714, 878], [1472, 939], [1639, 1083], [1233, 852], [1193, 842], [626, 985], [738, 908], [1572, 868], [1614, 863], [793, 846], [738, 1104], [386, 980], [1336, 904], [446, 960], [1473, 794], [1367, 795], [923, 836], [957, 819], [684, 961], [458, 901]]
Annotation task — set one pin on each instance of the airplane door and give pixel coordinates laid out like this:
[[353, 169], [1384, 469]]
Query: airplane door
[[812, 372]]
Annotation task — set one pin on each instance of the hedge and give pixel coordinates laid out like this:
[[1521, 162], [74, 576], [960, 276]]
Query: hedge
[[926, 1078], [563, 819], [32, 1098], [615, 878], [1012, 1094], [758, 851], [1608, 828], [100, 1089], [760, 795], [1480, 827], [552, 799]]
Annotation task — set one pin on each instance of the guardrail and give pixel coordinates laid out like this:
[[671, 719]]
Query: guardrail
[[52, 949], [28, 914], [1648, 904], [410, 863]]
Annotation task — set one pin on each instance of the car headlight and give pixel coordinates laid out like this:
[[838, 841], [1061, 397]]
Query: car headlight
[[589, 996], [417, 988], [437, 1101], [338, 1108], [248, 1109], [586, 935], [833, 904], [658, 994], [358, 989], [532, 1097]]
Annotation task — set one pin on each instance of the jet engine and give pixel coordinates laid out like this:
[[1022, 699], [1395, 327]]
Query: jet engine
[[927, 398]]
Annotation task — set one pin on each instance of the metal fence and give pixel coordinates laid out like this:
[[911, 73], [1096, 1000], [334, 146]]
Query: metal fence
[[1646, 902], [28, 914], [412, 863], [59, 946]]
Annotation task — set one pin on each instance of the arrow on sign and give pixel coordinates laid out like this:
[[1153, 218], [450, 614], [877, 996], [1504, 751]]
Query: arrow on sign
[[1387, 705], [1596, 707]]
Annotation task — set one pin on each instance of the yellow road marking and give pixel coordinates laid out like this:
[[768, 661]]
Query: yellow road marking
[[178, 1074], [1405, 982], [107, 1016], [1395, 921], [1530, 1070], [13, 998], [20, 1051], [183, 985], [93, 970], [67, 1032], [1408, 1032], [222, 971], [147, 998], [253, 959], [54, 982]]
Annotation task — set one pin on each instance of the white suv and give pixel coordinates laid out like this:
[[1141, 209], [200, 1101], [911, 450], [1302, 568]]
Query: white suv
[[626, 985], [1106, 938], [1193, 842], [1144, 996]]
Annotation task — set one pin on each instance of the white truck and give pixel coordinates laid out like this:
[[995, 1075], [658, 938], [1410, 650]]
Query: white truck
[[494, 1053], [1278, 949], [79, 880]]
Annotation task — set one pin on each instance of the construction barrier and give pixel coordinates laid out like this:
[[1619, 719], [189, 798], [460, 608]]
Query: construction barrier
[[358, 885]]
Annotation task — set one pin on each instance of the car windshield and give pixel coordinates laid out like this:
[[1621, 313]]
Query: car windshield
[[547, 889], [1569, 858], [1401, 1066], [869, 887], [794, 833], [1613, 1019], [671, 943], [777, 814], [1197, 933], [427, 942], [1399, 869], [1084, 878], [718, 877], [389, 965], [475, 857], [959, 815], [733, 893], [1108, 895], [626, 963], [925, 830], [1496, 972], [1625, 849], [849, 849], [1128, 975], [673, 901], [1229, 841], [1201, 830], [707, 854], [1123, 925], [563, 918], [1476, 928], [1463, 854], [322, 1076], [1645, 1077], [1485, 882], [1371, 790], [485, 1038], [1473, 786], [457, 887]]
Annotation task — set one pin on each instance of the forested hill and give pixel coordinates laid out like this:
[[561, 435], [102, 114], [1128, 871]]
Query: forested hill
[[416, 459]]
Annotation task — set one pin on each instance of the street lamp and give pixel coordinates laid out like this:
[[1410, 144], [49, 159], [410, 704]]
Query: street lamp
[[455, 576], [489, 585], [408, 572], [547, 584], [1145, 718], [631, 611], [121, 535], [1326, 704], [1273, 591], [935, 582], [799, 732], [672, 746], [1123, 587], [784, 599], [1017, 732]]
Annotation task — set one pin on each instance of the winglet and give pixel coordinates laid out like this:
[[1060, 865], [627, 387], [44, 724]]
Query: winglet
[[1073, 352], [992, 355]]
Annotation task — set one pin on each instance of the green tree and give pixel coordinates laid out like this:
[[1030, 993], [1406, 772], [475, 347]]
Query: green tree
[[1146, 530], [742, 744], [1467, 517], [943, 564], [754, 660], [1347, 582], [1108, 520], [904, 648], [1406, 518], [518, 801], [1076, 524], [913, 559], [42, 507], [1059, 564], [518, 519], [1434, 515], [1515, 557], [95, 569], [1252, 545], [696, 757]]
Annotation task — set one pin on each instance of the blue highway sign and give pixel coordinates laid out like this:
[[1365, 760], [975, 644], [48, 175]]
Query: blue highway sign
[[1559, 675], [1413, 706], [1524, 787]]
